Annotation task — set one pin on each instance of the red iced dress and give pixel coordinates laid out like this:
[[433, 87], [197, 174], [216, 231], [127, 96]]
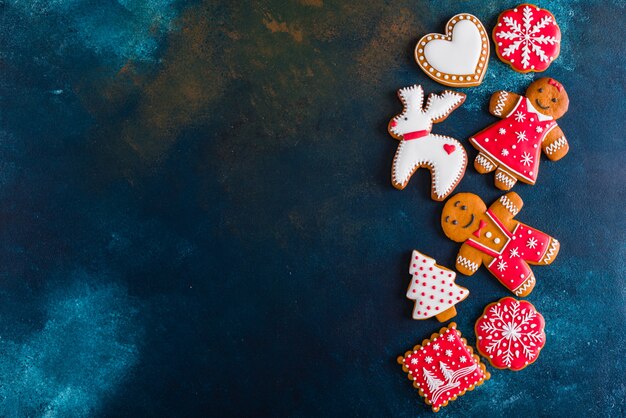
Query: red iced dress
[[514, 143]]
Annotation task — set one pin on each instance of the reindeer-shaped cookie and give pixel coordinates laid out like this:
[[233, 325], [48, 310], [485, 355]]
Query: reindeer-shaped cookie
[[444, 156]]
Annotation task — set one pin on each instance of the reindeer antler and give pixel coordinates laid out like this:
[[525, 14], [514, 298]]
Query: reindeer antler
[[412, 97], [439, 106]]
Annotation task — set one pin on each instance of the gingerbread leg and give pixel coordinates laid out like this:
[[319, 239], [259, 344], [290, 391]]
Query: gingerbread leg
[[504, 180], [483, 164], [447, 314], [526, 287], [553, 250]]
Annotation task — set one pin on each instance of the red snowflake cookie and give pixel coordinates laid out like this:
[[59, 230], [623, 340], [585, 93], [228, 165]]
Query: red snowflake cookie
[[443, 368], [527, 38], [510, 333]]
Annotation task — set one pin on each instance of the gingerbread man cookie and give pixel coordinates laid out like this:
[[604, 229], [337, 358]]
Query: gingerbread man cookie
[[443, 368], [513, 145], [491, 236], [527, 38], [433, 289], [510, 333], [444, 156]]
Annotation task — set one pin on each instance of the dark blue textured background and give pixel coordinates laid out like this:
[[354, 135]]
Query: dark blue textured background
[[196, 215]]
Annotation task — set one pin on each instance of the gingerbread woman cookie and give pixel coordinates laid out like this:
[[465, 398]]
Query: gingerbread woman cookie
[[510, 333], [444, 367], [513, 145], [491, 236], [444, 156], [433, 289]]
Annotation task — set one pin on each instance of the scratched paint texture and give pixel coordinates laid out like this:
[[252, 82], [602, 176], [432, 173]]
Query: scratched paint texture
[[197, 217]]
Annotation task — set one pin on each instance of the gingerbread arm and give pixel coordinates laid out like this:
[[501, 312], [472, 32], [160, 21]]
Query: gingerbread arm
[[468, 260], [507, 206], [555, 145], [502, 103]]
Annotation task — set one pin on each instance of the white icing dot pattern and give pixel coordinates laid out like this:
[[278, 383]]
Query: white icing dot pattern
[[455, 63]]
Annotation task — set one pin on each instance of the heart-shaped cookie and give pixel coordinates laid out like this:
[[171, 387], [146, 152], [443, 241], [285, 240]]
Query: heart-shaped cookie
[[460, 57]]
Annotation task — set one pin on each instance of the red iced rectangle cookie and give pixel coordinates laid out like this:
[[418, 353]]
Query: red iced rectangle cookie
[[444, 367]]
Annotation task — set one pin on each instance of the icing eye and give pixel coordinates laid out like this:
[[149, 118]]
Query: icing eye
[[405, 118], [454, 222], [554, 100], [540, 90], [463, 207]]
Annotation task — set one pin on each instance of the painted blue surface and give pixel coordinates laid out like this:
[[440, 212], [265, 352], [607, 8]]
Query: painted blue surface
[[197, 216]]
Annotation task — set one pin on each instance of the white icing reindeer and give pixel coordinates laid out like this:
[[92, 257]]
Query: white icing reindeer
[[444, 156]]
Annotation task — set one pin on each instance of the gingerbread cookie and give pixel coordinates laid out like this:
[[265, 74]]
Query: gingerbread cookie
[[444, 156], [460, 57], [527, 38], [433, 289], [510, 334], [513, 145], [491, 236], [443, 368]]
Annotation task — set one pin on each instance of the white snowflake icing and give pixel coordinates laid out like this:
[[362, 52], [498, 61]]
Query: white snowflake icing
[[526, 36], [413, 361], [521, 136], [539, 129], [509, 330], [514, 252], [462, 359], [449, 353], [531, 243], [428, 359], [502, 265], [450, 338], [527, 159], [504, 152], [435, 346], [501, 131], [520, 116]]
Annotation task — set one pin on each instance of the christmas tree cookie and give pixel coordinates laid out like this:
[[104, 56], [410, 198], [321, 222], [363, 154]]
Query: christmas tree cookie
[[491, 236], [433, 289], [510, 333], [512, 147], [443, 367], [445, 157]]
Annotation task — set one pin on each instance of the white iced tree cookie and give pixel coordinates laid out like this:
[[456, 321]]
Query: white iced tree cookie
[[444, 156], [433, 289]]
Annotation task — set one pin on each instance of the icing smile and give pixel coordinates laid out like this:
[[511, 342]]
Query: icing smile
[[470, 222], [540, 105]]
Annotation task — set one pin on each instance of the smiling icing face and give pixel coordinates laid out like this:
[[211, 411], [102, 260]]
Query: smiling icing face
[[549, 97], [461, 216]]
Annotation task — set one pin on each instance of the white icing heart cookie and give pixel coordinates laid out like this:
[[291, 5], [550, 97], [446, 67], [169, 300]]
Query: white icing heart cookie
[[460, 57]]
